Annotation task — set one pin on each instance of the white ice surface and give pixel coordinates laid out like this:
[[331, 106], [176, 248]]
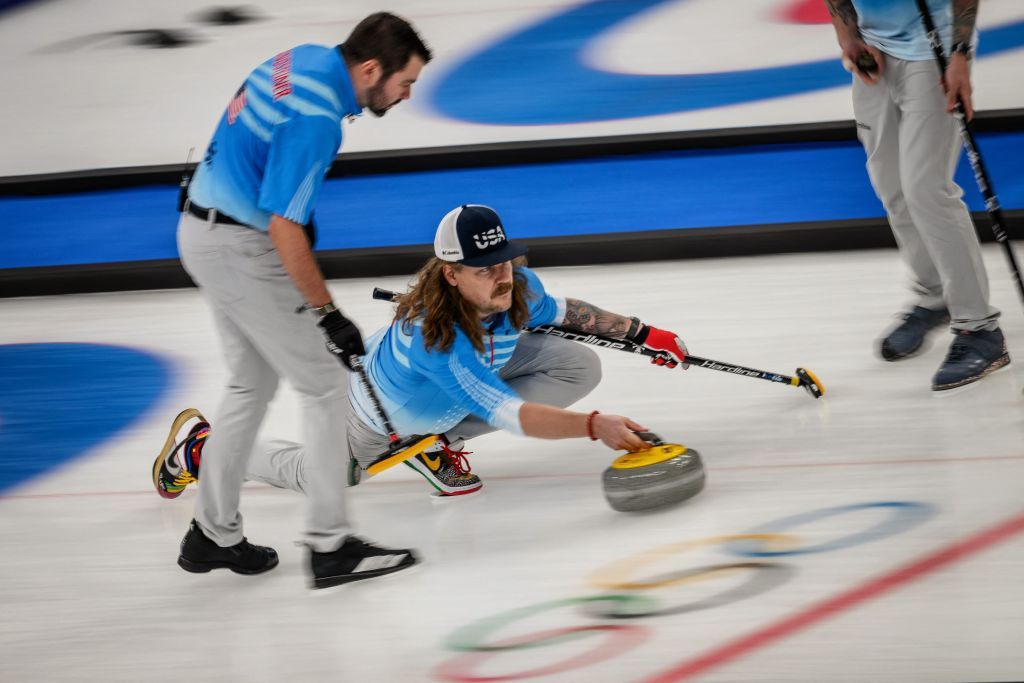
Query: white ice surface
[[90, 591]]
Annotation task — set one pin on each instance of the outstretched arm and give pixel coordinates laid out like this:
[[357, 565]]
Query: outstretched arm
[[472, 385], [548, 422], [583, 317]]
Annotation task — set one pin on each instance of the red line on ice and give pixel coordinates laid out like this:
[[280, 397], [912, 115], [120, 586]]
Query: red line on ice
[[848, 599]]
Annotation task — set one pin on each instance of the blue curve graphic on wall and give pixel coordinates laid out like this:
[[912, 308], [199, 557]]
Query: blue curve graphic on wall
[[536, 76], [59, 400]]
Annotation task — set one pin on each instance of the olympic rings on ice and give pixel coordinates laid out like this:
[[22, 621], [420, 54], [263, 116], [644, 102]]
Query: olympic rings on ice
[[906, 515], [614, 576], [459, 669], [471, 638], [765, 541], [764, 576]]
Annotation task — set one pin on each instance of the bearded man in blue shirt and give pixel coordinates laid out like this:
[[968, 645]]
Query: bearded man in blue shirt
[[246, 238]]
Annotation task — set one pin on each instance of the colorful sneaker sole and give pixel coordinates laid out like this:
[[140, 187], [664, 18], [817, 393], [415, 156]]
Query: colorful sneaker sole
[[995, 366], [167, 489]]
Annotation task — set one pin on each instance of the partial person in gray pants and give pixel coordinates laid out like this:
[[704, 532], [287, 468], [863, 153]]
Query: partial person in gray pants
[[455, 364], [902, 109], [246, 238]]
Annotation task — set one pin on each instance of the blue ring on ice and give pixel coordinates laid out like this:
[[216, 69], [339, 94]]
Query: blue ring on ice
[[905, 515]]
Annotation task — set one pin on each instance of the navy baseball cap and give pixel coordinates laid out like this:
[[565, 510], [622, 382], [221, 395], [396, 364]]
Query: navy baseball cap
[[472, 234]]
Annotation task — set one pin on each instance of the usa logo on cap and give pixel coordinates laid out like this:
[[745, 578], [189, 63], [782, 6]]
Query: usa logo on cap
[[472, 234]]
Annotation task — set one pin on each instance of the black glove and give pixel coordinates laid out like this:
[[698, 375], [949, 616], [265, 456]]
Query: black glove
[[343, 338]]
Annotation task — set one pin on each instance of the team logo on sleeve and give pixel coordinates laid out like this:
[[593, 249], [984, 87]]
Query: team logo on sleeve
[[280, 70], [236, 105]]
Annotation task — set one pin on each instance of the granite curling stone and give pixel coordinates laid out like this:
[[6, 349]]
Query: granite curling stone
[[662, 475]]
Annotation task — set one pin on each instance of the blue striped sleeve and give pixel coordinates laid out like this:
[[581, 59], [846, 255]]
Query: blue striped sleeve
[[545, 309], [301, 151], [474, 386]]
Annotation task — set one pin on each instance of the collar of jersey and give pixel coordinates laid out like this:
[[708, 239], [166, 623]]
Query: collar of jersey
[[346, 90]]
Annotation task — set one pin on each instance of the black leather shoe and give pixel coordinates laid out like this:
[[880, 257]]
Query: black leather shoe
[[199, 554], [356, 560]]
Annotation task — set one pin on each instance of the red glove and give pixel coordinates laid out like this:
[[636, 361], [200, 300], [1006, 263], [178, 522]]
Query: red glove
[[667, 343]]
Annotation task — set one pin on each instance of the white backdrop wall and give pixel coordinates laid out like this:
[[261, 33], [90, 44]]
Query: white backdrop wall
[[79, 95]]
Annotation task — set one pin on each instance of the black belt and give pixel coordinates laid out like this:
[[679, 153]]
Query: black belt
[[224, 219], [206, 214]]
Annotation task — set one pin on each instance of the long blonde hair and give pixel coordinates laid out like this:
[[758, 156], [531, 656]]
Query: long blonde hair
[[443, 308]]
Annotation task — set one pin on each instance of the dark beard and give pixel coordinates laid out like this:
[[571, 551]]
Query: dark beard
[[376, 103]]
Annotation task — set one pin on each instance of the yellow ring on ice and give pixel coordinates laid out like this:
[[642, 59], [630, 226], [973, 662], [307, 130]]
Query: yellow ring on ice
[[616, 575]]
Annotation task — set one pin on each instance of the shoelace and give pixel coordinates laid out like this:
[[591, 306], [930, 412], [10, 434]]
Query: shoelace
[[960, 347], [184, 477], [457, 459], [957, 352]]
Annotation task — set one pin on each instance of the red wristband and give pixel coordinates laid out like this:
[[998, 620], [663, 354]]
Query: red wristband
[[590, 425]]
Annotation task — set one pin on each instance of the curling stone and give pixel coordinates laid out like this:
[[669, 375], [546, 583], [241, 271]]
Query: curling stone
[[661, 475]]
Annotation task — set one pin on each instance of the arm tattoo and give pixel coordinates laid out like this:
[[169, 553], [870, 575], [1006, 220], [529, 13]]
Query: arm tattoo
[[965, 14], [843, 11], [584, 317]]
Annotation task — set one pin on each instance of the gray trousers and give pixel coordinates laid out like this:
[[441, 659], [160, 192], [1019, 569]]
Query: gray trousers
[[263, 339], [913, 147], [542, 369]]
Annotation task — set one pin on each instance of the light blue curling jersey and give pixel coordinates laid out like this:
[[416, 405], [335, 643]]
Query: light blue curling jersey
[[277, 138], [895, 27], [430, 391]]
